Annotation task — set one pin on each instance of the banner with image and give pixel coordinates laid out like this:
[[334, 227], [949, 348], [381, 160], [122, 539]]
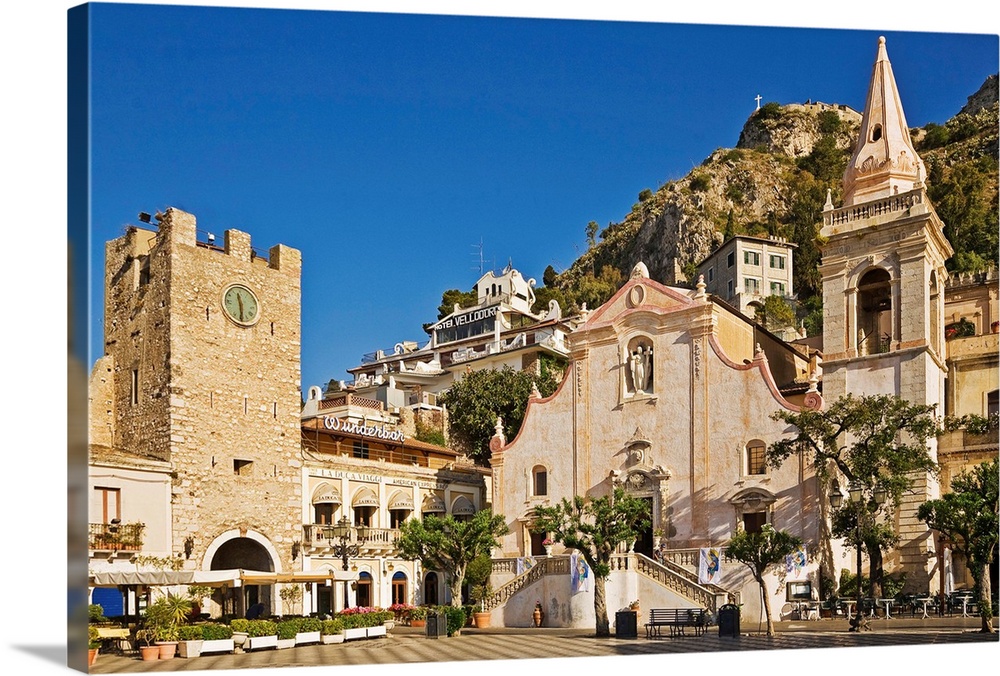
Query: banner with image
[[524, 564], [709, 565], [795, 563], [579, 574]]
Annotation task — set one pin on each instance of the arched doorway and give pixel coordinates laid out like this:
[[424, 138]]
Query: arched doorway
[[248, 554], [399, 590], [363, 590], [431, 589]]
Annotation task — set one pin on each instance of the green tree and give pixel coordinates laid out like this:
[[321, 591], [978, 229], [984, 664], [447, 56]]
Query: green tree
[[759, 552], [592, 229], [448, 545], [775, 313], [451, 297], [480, 397], [873, 441], [550, 275], [595, 527], [968, 517], [477, 578]]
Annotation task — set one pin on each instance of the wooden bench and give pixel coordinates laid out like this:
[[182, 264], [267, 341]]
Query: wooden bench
[[677, 619]]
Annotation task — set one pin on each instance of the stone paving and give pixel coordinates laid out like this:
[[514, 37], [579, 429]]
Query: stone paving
[[407, 645]]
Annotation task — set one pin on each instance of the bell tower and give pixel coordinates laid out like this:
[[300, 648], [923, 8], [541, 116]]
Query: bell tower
[[883, 273]]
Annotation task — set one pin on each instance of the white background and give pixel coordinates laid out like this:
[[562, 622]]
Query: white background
[[33, 44]]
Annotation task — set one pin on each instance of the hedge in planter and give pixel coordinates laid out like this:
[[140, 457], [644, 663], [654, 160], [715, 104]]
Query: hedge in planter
[[190, 640]]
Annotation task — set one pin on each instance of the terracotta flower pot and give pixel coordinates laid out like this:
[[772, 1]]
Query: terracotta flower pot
[[167, 649], [482, 620], [418, 623], [149, 652], [91, 656], [537, 617]]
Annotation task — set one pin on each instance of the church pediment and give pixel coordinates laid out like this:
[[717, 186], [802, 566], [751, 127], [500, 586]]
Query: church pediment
[[640, 294]]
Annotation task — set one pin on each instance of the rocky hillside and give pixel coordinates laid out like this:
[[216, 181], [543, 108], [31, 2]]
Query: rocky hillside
[[774, 182]]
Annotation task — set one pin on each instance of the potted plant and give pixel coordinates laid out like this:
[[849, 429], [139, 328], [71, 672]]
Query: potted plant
[[309, 630], [287, 629], [217, 638], [477, 575], [418, 616], [197, 592], [262, 634], [93, 644], [290, 594], [547, 543], [189, 640], [332, 631], [241, 632], [171, 612], [149, 651]]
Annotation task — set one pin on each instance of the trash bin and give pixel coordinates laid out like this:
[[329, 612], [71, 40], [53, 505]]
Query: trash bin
[[626, 624], [729, 620], [437, 625]]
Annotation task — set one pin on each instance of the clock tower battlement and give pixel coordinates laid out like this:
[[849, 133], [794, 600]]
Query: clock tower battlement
[[204, 348]]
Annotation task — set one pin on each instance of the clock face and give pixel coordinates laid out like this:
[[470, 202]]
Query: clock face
[[241, 305]]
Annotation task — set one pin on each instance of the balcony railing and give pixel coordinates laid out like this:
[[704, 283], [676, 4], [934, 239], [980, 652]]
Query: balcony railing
[[116, 537], [319, 538]]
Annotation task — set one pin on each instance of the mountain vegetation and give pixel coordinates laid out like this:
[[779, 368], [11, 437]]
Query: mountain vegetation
[[775, 183]]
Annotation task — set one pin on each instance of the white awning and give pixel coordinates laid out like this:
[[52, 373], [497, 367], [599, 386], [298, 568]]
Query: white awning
[[365, 498], [325, 493], [463, 507], [213, 578], [432, 504], [401, 500]]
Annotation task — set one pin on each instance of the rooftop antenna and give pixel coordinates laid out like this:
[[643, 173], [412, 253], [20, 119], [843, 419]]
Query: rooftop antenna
[[479, 254]]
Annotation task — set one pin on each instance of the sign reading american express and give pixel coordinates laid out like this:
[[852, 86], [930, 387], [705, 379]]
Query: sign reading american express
[[374, 431]]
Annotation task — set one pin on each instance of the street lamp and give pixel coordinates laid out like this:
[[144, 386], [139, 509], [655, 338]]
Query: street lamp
[[856, 492], [345, 549]]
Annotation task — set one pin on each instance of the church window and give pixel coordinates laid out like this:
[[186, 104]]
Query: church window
[[876, 132], [753, 522], [242, 467], [539, 481], [135, 386], [755, 452]]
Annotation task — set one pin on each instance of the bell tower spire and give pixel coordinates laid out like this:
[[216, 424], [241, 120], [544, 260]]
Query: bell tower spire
[[884, 162]]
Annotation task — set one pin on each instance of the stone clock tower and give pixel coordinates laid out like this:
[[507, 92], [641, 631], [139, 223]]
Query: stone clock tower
[[883, 281], [204, 346]]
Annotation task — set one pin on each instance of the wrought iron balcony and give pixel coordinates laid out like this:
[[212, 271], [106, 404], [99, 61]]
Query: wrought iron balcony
[[116, 537]]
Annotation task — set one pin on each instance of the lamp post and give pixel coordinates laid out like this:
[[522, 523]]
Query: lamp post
[[857, 493], [344, 548]]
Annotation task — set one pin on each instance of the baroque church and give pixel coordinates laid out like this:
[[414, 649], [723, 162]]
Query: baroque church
[[204, 461]]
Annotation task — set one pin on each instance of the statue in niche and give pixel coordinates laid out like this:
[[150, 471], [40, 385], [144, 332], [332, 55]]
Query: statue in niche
[[640, 364]]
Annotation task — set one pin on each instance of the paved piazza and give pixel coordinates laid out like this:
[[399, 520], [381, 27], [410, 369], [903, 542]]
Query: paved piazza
[[409, 646]]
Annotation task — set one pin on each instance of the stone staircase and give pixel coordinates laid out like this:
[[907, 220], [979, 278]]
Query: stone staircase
[[669, 574]]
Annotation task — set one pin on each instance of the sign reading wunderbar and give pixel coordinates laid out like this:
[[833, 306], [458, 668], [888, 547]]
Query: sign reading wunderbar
[[374, 431]]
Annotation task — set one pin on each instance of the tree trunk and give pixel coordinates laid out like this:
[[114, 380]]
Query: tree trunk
[[875, 571], [601, 608], [766, 599], [985, 596], [455, 585]]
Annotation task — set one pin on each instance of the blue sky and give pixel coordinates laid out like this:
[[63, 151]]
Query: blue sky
[[387, 147]]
